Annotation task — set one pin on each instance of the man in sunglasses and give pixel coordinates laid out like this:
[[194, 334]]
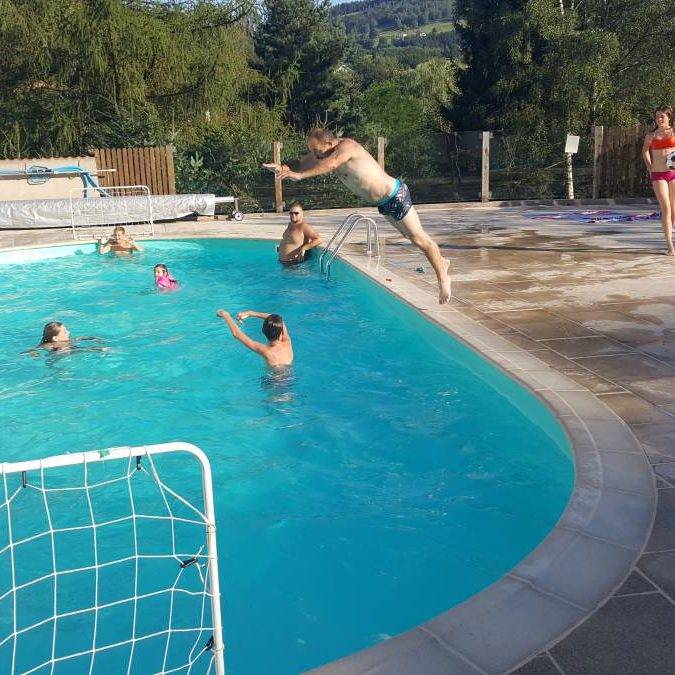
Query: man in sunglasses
[[359, 171], [298, 238]]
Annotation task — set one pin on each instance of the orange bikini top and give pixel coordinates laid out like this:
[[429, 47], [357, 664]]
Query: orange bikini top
[[662, 143]]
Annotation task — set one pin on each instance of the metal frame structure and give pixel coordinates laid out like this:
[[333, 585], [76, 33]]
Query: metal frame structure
[[109, 206], [339, 238], [26, 467]]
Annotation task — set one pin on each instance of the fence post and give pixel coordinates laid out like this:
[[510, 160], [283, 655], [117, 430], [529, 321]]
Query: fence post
[[569, 175], [598, 135], [278, 193], [381, 144], [485, 168]]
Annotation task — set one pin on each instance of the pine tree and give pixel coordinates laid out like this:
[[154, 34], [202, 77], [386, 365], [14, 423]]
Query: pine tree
[[298, 48]]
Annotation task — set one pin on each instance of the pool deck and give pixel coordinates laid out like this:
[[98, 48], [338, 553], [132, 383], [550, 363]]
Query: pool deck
[[583, 314]]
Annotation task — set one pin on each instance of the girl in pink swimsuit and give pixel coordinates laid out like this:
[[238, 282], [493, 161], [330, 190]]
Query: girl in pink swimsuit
[[163, 280], [658, 152]]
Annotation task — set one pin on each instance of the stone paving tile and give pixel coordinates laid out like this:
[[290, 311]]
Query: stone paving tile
[[635, 410], [657, 439], [539, 324], [586, 346], [660, 568], [658, 390], [626, 636], [541, 665], [594, 383], [626, 367], [636, 583], [663, 530], [666, 471]]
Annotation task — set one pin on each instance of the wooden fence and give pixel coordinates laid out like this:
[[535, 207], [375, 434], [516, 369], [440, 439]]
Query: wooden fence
[[138, 166], [618, 169]]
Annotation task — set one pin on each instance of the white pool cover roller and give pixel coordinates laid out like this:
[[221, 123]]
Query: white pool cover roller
[[38, 213]]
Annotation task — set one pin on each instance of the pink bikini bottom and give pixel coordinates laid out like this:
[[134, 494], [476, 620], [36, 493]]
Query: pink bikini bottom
[[663, 175]]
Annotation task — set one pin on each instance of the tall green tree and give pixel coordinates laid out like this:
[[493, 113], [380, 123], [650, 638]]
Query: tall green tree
[[298, 49], [563, 63], [80, 74]]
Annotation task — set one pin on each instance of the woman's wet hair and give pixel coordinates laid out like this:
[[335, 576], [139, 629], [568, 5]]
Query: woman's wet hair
[[50, 331], [273, 327], [664, 109]]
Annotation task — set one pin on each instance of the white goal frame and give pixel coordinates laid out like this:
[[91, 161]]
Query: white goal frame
[[211, 587], [97, 209]]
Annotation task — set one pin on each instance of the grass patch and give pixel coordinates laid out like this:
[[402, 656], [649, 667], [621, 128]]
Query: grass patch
[[440, 26]]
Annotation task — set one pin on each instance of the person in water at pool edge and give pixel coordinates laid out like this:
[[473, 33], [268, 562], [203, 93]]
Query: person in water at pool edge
[[56, 338], [163, 280], [279, 349], [299, 237], [119, 243]]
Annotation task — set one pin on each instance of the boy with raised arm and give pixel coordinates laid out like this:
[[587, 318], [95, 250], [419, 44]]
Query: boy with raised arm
[[279, 349]]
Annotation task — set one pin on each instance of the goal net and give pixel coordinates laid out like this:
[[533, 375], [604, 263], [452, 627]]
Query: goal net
[[108, 563], [95, 210]]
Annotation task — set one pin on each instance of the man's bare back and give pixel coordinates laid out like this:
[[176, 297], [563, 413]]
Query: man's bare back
[[357, 169]]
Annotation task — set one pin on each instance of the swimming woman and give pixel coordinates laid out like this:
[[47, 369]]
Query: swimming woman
[[658, 153], [163, 280], [56, 338]]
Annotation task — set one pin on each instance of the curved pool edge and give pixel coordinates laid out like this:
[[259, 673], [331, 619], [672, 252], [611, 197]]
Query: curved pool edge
[[569, 575], [585, 557]]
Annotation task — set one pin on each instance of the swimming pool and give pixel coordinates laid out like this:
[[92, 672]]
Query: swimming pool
[[393, 474]]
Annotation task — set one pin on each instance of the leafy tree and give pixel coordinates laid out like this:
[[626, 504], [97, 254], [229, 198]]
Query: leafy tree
[[298, 48], [83, 74]]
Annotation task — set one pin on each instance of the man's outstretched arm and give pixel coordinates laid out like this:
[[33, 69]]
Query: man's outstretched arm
[[340, 156]]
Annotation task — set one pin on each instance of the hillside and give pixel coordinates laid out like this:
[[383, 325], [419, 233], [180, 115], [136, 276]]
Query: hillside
[[370, 21]]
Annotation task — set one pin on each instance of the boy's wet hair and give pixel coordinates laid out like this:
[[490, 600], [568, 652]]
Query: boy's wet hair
[[273, 327], [296, 202], [50, 331], [120, 229]]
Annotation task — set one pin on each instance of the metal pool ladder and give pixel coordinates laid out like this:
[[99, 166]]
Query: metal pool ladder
[[340, 237]]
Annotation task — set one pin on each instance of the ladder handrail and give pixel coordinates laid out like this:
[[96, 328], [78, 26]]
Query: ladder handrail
[[337, 232], [348, 224]]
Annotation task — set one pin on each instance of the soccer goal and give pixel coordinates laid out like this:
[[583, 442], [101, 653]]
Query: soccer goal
[[95, 210], [108, 563]]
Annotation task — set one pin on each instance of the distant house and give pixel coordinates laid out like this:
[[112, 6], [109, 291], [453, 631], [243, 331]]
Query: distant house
[[344, 68], [423, 34]]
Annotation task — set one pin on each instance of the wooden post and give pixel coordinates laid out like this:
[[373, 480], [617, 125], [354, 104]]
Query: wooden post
[[278, 193], [485, 168], [381, 144], [569, 175], [598, 136]]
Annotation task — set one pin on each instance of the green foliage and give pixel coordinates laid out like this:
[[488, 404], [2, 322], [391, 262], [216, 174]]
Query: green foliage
[[298, 48], [85, 74]]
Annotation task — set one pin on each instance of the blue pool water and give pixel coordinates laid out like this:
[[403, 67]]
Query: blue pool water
[[391, 475]]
